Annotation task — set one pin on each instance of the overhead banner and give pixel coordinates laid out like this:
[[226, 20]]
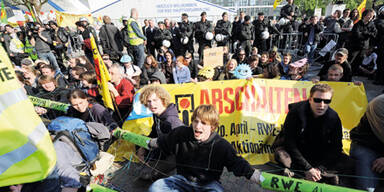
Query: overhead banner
[[66, 19], [253, 111]]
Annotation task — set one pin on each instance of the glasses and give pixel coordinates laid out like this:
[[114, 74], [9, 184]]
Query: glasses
[[318, 100], [188, 58], [241, 54], [105, 58]]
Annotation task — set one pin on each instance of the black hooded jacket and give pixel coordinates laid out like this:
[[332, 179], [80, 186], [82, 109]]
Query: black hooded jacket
[[167, 121]]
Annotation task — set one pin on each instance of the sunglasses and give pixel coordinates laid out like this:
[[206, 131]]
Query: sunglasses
[[105, 58], [188, 58], [318, 100]]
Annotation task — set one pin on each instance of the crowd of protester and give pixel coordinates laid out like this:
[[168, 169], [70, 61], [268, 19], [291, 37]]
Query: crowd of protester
[[43, 56]]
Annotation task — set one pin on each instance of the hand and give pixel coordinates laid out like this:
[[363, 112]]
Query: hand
[[256, 176], [315, 80], [357, 83], [313, 174], [113, 89], [378, 165], [140, 153], [16, 188], [40, 110]]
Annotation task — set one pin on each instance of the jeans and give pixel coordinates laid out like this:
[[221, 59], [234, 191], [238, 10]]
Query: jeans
[[178, 183], [51, 58], [310, 50], [364, 158], [139, 55]]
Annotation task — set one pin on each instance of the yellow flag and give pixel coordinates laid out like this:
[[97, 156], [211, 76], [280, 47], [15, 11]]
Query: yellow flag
[[102, 75], [276, 3], [361, 8]]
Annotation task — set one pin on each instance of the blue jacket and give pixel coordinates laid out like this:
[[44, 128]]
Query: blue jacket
[[181, 75]]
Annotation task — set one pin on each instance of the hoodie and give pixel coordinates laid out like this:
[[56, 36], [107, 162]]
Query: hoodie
[[167, 121]]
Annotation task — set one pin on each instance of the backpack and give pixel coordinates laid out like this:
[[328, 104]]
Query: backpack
[[75, 133]]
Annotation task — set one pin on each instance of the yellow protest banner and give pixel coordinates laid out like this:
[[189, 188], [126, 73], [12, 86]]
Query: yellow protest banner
[[67, 19], [213, 57], [252, 112]]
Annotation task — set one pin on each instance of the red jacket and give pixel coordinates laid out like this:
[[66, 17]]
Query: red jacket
[[126, 92]]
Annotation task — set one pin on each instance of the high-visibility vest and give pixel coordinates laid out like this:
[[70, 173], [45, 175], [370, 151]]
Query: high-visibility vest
[[18, 43], [26, 150], [133, 38]]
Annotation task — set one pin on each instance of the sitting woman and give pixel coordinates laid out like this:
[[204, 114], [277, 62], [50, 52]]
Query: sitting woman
[[270, 71], [229, 69], [264, 60], [297, 71], [181, 73], [85, 109], [254, 65], [367, 146], [131, 72], [284, 65], [167, 67], [150, 66], [89, 82], [50, 91]]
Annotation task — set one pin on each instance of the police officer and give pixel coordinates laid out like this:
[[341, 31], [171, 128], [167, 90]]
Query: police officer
[[203, 27], [175, 44], [186, 33], [247, 35], [223, 28], [161, 35], [124, 32], [236, 30], [290, 12], [260, 26]]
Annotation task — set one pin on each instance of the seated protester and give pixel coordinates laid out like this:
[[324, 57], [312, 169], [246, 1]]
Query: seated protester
[[150, 67], [312, 136], [241, 57], [368, 67], [206, 74], [122, 90], [254, 65], [203, 155], [50, 91], [284, 65], [341, 57], [30, 75], [367, 146], [181, 73], [274, 55], [162, 57], [167, 67], [229, 69], [84, 108], [297, 71], [165, 118], [107, 60], [130, 71], [189, 61], [270, 71], [335, 73], [26, 63], [226, 56], [75, 81], [29, 90], [84, 62], [157, 78], [264, 60], [89, 85], [48, 70], [254, 54]]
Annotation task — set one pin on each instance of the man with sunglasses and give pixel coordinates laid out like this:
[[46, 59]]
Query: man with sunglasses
[[313, 138]]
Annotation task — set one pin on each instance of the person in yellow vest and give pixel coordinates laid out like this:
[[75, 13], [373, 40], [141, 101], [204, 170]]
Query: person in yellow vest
[[16, 48], [136, 38]]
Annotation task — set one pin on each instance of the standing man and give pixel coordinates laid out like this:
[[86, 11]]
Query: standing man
[[146, 25], [346, 27], [290, 11], [150, 33], [175, 43], [223, 28], [60, 38], [110, 39], [236, 30], [311, 34], [124, 32], [136, 38], [186, 31], [260, 25], [247, 33], [313, 137], [379, 23], [203, 27], [162, 34]]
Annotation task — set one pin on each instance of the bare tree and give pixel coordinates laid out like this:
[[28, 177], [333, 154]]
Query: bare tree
[[34, 6]]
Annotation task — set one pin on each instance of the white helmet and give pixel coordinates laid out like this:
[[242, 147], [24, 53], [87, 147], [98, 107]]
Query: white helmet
[[209, 36], [184, 40], [283, 21], [265, 34], [220, 37], [166, 43], [381, 11]]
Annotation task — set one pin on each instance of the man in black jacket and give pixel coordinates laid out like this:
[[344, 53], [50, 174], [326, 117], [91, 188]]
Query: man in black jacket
[[379, 23], [201, 28], [60, 39], [260, 25], [201, 155], [313, 136], [162, 34], [290, 12], [247, 35], [186, 30], [110, 38], [224, 28], [362, 33], [311, 35], [150, 34]]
